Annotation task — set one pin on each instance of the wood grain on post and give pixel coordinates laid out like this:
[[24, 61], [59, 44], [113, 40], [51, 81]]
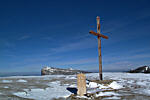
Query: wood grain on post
[[81, 84]]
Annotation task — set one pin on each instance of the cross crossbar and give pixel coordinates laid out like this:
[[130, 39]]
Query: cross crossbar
[[99, 35]]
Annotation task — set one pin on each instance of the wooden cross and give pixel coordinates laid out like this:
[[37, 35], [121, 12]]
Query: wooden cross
[[99, 35]]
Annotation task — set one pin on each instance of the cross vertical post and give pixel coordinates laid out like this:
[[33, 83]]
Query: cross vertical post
[[99, 48], [99, 35]]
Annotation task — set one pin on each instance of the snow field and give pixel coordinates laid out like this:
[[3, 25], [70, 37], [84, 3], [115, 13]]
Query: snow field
[[137, 83]]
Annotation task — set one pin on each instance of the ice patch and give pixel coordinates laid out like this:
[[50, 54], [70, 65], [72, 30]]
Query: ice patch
[[113, 98], [130, 82], [53, 84], [73, 85], [107, 94], [7, 81], [141, 83], [67, 84], [145, 91], [54, 91], [6, 87], [20, 93], [92, 91], [71, 77], [81, 96], [37, 90], [21, 80]]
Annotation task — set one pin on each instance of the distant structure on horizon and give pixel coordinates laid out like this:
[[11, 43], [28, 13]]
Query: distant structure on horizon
[[59, 71], [143, 69]]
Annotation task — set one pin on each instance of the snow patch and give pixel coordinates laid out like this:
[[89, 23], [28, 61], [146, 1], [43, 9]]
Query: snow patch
[[113, 98], [141, 83], [7, 81], [73, 85], [37, 90], [115, 85], [145, 91], [81, 96], [20, 94], [107, 94], [6, 87], [54, 91], [21, 80], [70, 77], [92, 85]]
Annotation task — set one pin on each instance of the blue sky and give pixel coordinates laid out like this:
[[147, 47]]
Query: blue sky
[[37, 33]]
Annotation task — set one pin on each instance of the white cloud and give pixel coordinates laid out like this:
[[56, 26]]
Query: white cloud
[[24, 37], [78, 45], [47, 38], [78, 61]]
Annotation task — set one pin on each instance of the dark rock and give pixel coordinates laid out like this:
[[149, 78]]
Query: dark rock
[[72, 90], [59, 71], [143, 69]]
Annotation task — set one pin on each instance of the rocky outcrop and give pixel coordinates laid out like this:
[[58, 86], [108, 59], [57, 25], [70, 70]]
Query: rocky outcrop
[[59, 71], [143, 69]]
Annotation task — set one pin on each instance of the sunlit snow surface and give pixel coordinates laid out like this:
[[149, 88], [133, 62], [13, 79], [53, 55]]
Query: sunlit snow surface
[[54, 86], [55, 91]]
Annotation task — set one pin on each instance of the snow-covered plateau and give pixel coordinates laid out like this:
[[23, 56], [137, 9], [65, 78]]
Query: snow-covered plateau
[[124, 86]]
